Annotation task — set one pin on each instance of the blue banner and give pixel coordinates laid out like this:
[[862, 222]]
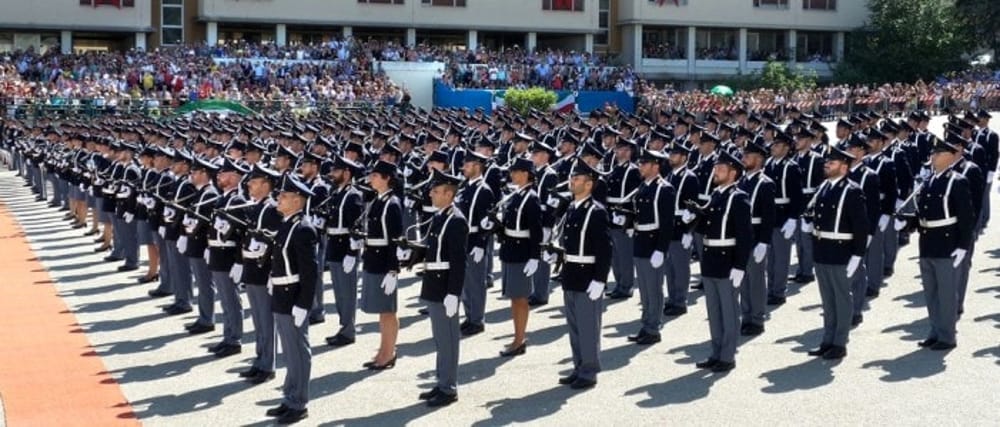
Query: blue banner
[[578, 101]]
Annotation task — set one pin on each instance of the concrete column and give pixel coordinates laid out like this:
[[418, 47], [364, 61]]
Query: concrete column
[[635, 47], [472, 40], [838, 46], [212, 33], [140, 41], [281, 34], [347, 32], [531, 42], [588, 43], [793, 41], [743, 51], [411, 36], [66, 42], [692, 55]]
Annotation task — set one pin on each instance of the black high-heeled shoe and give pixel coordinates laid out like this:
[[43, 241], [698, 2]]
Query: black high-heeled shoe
[[148, 279], [388, 365], [514, 351]]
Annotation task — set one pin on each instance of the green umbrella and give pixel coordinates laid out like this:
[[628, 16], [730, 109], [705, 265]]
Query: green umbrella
[[722, 90]]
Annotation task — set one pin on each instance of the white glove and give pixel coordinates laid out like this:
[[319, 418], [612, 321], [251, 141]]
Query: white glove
[[349, 262], [222, 225], [236, 273], [318, 222], [552, 201], [450, 305], [355, 244], [389, 283], [299, 315], [788, 229], [899, 224], [656, 260], [990, 176], [256, 248], [736, 276], [189, 224], [207, 255], [806, 227], [270, 286], [617, 219], [128, 217], [403, 254], [530, 267], [924, 174], [549, 257], [408, 202], [407, 172], [149, 202], [169, 213], [759, 252], [162, 231], [477, 255], [687, 216], [83, 187], [852, 265], [126, 191], [899, 203], [546, 234], [182, 244], [958, 255], [868, 243], [686, 240], [486, 223], [595, 290], [883, 222]]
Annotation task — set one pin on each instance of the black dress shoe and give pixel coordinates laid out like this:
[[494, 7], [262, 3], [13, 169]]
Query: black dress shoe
[[148, 279], [228, 350], [649, 339], [616, 295], [423, 311], [636, 337], [514, 351], [535, 302], [887, 273], [279, 411], [253, 371], [927, 342], [775, 300], [388, 365], [104, 249], [99, 240], [856, 320], [156, 293], [316, 320], [940, 346], [110, 258], [581, 384], [78, 226], [213, 348], [293, 416], [871, 293], [442, 399], [752, 330], [708, 364], [339, 340], [472, 330], [429, 394], [802, 279], [699, 286], [93, 232], [723, 367], [835, 352], [674, 310], [125, 268], [175, 310], [823, 348], [568, 379], [200, 329], [261, 377]]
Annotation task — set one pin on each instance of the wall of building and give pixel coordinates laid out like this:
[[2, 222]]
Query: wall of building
[[71, 15], [742, 13]]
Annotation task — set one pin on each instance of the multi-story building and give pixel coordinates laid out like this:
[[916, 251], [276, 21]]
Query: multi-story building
[[74, 24]]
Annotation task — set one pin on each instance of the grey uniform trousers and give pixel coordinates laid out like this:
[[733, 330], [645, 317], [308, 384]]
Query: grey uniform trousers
[[180, 277], [263, 327], [621, 260], [445, 332], [206, 291], [723, 317], [232, 308], [938, 277], [474, 290], [779, 261], [835, 294], [297, 355], [678, 272], [753, 293], [583, 316], [345, 295], [650, 281]]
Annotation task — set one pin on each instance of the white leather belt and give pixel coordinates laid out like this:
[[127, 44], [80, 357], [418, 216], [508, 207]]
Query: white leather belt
[[756, 221], [221, 243], [517, 234], [646, 227], [704, 197], [473, 229], [437, 266], [121, 196], [720, 243], [808, 190], [782, 201], [340, 231], [829, 235], [285, 280], [580, 259], [937, 223], [428, 209], [377, 242], [250, 254], [615, 200]]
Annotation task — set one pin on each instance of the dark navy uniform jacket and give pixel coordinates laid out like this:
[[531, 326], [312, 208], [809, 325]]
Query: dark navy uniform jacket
[[446, 251], [761, 190], [384, 226], [728, 235], [686, 189], [868, 182], [622, 182], [977, 183], [885, 169], [254, 250], [787, 179], [945, 216], [293, 265], [345, 206], [811, 168], [654, 219], [223, 248], [475, 200], [840, 222], [521, 236], [588, 245]]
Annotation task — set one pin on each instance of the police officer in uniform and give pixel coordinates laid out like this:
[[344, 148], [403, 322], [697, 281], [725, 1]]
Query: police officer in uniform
[[623, 182], [181, 193], [761, 190], [840, 234], [383, 229], [585, 238], [654, 220], [193, 243], [444, 275], [342, 251], [222, 256], [725, 226], [811, 166], [475, 200], [866, 179], [678, 269], [784, 171], [293, 282]]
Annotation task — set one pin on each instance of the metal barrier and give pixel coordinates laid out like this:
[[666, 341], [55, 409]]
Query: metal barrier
[[22, 108]]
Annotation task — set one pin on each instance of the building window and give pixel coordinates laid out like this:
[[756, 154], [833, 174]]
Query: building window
[[116, 3], [565, 5], [670, 2], [381, 1], [717, 44], [172, 22], [603, 19], [446, 3], [819, 4], [664, 42], [771, 4]]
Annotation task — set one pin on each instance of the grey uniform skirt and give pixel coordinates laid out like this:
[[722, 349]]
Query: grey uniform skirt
[[143, 234], [515, 283], [373, 297]]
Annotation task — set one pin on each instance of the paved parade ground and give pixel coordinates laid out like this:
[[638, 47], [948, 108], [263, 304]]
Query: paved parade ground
[[84, 345]]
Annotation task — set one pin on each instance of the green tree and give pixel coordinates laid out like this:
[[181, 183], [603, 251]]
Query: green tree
[[776, 75], [983, 18], [523, 100], [906, 40]]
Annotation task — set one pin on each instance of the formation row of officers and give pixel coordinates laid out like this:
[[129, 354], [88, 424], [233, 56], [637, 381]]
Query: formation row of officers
[[640, 200]]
